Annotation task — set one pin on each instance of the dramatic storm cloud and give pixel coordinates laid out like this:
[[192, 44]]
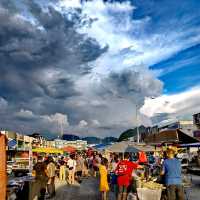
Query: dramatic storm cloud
[[82, 65]]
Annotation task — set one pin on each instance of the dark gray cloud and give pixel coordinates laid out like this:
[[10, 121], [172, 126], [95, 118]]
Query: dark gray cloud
[[27, 48], [33, 47], [47, 68], [130, 84]]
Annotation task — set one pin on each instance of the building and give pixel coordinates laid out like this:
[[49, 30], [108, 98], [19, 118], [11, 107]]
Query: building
[[39, 140], [186, 126], [78, 144], [196, 120]]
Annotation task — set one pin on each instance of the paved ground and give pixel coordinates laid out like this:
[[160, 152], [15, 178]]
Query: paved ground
[[89, 190], [194, 191]]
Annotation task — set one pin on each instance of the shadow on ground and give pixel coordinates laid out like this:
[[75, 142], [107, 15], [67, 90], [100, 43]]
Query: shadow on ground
[[87, 190]]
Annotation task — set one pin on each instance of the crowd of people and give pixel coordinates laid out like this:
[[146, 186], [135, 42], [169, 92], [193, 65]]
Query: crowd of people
[[115, 172], [67, 168]]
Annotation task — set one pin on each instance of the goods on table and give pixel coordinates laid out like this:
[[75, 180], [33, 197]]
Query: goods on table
[[151, 185]]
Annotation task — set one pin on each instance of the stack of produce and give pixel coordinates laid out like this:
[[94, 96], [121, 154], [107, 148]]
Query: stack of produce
[[152, 185]]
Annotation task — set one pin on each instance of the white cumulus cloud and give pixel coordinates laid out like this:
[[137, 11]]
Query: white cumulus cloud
[[183, 104], [57, 118], [83, 123], [25, 114]]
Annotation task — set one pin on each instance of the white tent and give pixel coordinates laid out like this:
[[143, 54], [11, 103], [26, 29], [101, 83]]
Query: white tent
[[130, 147]]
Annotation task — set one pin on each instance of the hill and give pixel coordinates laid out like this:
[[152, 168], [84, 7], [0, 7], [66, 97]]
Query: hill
[[70, 137], [108, 140], [130, 133], [92, 140]]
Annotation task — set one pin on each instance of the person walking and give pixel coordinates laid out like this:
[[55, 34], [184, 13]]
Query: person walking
[[172, 176], [51, 172], [103, 186], [85, 167], [124, 172], [41, 178], [79, 167], [62, 173], [71, 164], [113, 175]]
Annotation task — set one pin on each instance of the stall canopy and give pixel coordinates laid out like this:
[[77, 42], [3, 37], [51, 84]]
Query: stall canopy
[[170, 136], [196, 144], [130, 147], [101, 147], [47, 150], [69, 149], [118, 147]]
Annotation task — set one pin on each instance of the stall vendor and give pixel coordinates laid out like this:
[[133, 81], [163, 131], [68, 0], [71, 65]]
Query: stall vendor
[[172, 176]]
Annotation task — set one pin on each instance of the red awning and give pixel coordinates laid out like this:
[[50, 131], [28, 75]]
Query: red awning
[[69, 149]]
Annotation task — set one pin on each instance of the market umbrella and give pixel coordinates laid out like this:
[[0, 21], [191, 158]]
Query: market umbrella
[[144, 148], [131, 149], [118, 147]]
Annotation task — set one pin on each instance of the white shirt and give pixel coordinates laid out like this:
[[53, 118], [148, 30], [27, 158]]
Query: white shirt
[[71, 163]]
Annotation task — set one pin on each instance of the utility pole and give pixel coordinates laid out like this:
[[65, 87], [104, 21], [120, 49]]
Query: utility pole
[[136, 115], [61, 129]]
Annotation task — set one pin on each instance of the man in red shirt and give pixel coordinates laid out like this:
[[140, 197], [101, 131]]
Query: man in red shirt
[[124, 174]]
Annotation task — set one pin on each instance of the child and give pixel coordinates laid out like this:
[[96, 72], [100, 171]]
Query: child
[[104, 188]]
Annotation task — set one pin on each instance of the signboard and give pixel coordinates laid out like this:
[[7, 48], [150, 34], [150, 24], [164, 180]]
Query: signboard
[[12, 143]]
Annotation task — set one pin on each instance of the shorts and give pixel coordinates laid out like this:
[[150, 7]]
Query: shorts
[[79, 173], [175, 191], [123, 189], [113, 178]]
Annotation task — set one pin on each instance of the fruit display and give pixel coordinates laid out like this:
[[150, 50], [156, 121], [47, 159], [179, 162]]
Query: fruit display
[[152, 185]]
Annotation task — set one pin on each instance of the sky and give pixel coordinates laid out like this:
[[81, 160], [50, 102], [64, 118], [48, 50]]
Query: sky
[[97, 68]]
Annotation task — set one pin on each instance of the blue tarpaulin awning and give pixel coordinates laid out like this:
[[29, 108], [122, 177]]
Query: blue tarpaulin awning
[[100, 146], [197, 144]]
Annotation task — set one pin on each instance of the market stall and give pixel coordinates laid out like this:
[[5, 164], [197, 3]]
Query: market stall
[[3, 177], [69, 149], [21, 162], [47, 150], [194, 164], [147, 188]]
